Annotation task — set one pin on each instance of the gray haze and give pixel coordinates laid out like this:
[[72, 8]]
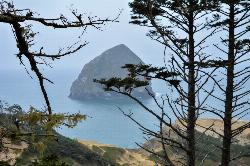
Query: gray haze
[[113, 34]]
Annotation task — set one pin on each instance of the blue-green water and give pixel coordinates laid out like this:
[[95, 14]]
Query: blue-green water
[[106, 125]]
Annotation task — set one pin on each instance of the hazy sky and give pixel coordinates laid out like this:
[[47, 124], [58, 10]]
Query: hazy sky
[[113, 34]]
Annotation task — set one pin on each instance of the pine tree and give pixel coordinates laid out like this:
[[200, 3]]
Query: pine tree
[[233, 17], [176, 25]]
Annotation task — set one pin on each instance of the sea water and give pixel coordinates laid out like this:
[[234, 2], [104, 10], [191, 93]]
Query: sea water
[[105, 123]]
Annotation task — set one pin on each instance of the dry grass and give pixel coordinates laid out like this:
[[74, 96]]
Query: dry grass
[[217, 125], [12, 151], [121, 156]]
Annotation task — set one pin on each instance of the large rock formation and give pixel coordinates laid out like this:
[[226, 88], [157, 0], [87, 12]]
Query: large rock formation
[[107, 65]]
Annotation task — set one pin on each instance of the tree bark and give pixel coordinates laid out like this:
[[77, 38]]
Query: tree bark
[[191, 95], [225, 160]]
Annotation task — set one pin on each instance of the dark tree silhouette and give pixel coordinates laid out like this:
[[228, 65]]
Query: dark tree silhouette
[[176, 25], [233, 18]]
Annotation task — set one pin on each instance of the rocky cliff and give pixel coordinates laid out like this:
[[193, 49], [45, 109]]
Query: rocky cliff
[[106, 66]]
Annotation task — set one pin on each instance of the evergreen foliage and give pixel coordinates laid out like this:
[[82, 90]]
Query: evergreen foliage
[[133, 80]]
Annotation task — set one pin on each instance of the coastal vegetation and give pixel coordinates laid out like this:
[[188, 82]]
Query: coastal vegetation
[[198, 67]]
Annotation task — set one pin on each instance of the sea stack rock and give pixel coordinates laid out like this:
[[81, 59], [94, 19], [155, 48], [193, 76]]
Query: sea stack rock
[[106, 66]]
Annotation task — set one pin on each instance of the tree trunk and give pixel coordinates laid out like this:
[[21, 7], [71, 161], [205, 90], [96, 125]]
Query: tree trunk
[[225, 160], [191, 95]]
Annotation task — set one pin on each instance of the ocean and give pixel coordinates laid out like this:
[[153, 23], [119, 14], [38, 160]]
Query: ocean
[[105, 123]]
